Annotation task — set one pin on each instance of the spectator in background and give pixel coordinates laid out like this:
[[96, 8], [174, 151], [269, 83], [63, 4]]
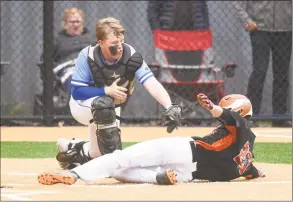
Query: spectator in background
[[70, 40], [183, 47], [68, 43], [269, 24]]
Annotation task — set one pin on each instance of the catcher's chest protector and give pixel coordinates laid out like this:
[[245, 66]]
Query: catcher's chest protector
[[125, 68]]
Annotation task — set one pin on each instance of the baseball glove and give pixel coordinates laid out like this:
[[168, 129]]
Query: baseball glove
[[172, 117]]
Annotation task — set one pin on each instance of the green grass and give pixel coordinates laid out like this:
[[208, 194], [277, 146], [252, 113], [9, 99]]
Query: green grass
[[264, 152], [273, 152], [33, 149]]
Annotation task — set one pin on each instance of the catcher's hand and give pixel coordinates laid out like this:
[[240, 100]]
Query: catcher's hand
[[172, 116], [205, 102]]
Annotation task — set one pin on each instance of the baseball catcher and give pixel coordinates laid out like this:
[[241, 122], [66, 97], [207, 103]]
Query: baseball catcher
[[102, 81]]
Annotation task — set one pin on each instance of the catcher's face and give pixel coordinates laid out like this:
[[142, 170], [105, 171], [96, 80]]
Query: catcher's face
[[111, 47]]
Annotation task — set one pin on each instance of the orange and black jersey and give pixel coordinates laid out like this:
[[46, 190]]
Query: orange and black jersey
[[227, 153]]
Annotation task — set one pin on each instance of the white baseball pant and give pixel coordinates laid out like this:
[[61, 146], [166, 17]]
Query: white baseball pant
[[142, 161]]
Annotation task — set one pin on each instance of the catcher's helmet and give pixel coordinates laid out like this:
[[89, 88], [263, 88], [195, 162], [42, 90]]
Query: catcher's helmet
[[237, 103]]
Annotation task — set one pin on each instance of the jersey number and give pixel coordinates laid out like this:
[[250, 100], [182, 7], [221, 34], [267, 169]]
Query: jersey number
[[244, 158]]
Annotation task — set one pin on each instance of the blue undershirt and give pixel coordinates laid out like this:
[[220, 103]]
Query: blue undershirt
[[86, 92]]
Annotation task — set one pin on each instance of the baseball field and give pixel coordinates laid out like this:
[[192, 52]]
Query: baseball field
[[28, 151]]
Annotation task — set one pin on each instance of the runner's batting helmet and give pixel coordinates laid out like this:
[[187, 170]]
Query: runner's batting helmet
[[237, 103]]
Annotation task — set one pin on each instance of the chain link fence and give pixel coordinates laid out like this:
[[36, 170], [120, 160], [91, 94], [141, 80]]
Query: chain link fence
[[219, 62]]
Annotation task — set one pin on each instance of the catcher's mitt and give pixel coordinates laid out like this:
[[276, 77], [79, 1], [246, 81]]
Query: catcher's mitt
[[173, 117]]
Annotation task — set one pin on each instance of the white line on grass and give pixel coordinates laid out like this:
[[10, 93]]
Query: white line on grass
[[275, 131], [251, 182], [141, 185], [22, 174], [264, 182], [26, 192], [15, 197], [273, 136], [18, 196], [119, 186], [21, 185], [111, 186]]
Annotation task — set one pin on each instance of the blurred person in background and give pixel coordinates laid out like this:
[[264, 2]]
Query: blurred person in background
[[70, 40], [269, 24]]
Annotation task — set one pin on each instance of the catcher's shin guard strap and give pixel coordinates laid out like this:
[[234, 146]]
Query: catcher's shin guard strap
[[109, 140]]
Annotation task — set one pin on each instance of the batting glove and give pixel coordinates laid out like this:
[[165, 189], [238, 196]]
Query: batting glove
[[205, 102]]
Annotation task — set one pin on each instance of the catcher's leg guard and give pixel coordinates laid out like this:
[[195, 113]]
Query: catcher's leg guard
[[108, 133], [73, 157]]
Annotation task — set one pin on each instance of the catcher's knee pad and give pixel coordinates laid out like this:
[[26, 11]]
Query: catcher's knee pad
[[103, 110], [109, 140], [73, 157]]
